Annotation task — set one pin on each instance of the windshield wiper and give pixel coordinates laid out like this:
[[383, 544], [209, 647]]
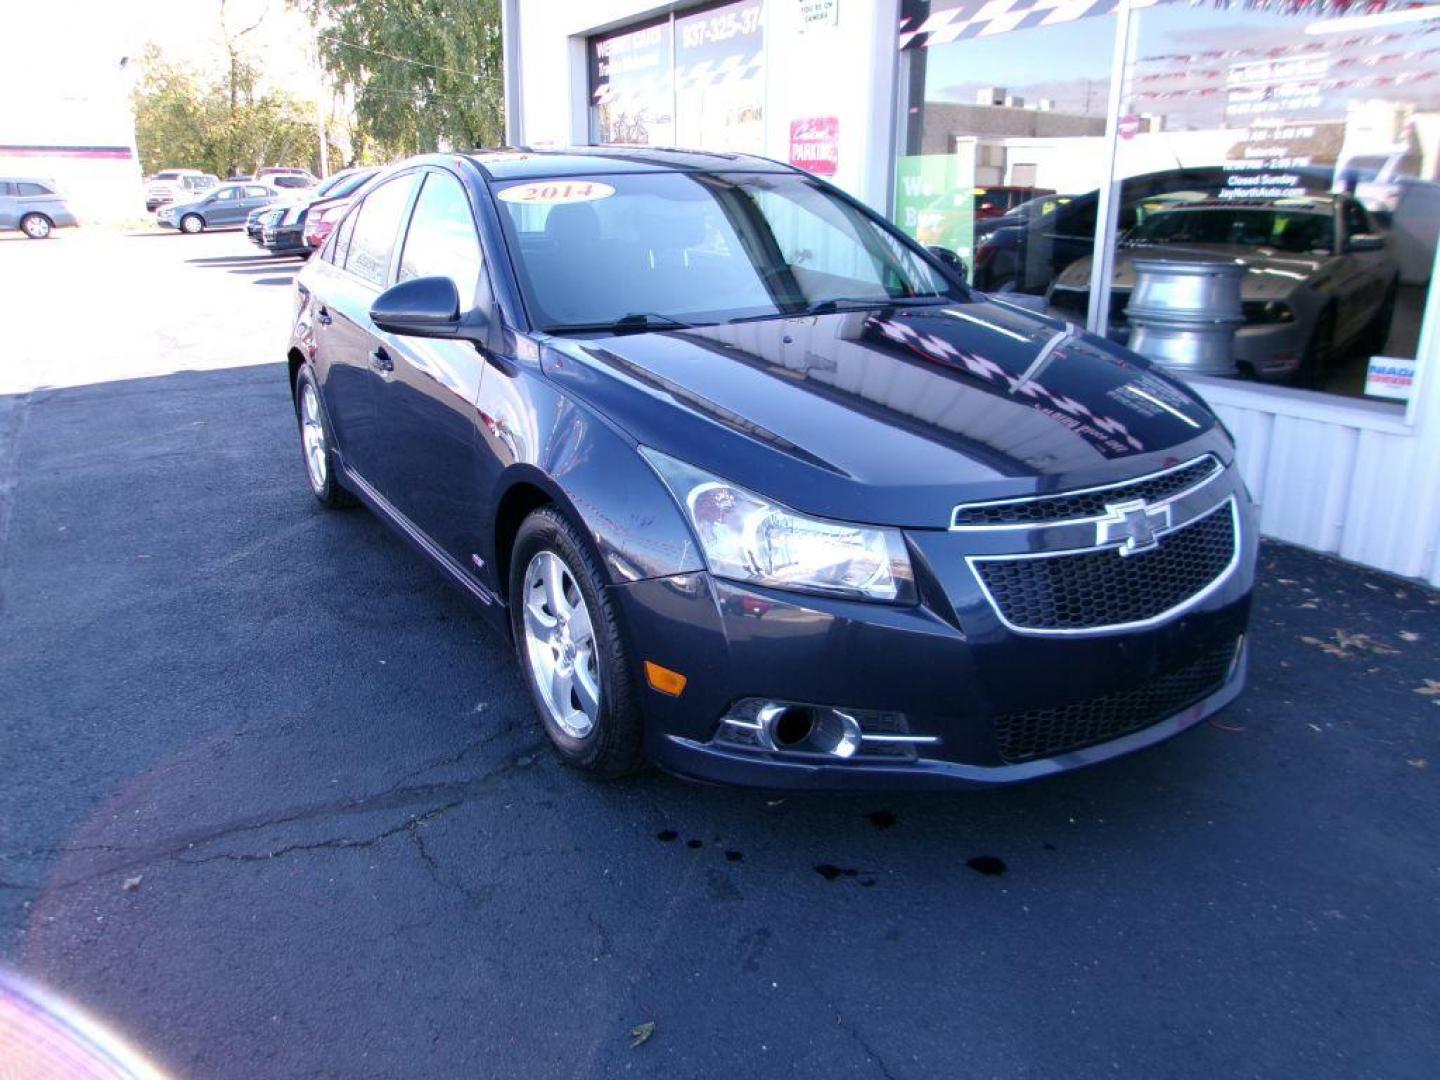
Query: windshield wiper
[[833, 303], [635, 320]]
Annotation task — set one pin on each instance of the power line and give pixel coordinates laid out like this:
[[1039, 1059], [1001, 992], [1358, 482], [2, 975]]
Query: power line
[[408, 60]]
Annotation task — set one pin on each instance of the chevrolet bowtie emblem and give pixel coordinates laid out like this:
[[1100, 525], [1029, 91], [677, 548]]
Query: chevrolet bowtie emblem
[[1135, 523]]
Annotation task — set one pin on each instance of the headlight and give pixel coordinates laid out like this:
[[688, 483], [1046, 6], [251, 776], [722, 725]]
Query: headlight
[[745, 537], [1267, 311]]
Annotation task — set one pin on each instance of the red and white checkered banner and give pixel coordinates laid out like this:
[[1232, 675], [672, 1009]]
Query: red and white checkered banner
[[962, 19]]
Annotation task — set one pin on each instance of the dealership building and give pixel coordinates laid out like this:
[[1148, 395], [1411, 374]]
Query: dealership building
[[1039, 139]]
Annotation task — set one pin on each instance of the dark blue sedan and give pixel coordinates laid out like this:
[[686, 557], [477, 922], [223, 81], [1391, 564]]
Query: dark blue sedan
[[761, 490]]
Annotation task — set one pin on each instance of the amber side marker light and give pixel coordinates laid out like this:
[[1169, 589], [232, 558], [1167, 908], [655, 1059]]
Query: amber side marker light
[[665, 680]]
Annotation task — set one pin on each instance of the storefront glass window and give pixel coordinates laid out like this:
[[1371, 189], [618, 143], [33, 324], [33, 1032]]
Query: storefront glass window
[[720, 79], [694, 80], [1004, 130], [1302, 142], [632, 86]]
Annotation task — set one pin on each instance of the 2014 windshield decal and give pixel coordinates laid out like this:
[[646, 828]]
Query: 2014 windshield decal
[[554, 192]]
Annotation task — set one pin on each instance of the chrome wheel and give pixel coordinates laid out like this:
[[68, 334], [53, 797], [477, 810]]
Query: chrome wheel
[[560, 645], [312, 434]]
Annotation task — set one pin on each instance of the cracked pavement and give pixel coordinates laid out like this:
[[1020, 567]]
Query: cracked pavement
[[357, 858]]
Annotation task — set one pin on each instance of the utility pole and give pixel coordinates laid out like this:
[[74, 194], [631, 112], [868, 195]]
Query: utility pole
[[320, 109]]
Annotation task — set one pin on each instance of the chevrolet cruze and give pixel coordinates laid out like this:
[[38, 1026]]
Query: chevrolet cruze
[[761, 491]]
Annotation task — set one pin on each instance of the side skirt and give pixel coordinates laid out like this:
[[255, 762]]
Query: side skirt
[[383, 509]]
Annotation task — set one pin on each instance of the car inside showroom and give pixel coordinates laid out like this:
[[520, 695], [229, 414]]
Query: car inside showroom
[[1245, 192]]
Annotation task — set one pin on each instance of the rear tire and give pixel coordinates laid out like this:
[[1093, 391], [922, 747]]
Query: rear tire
[[192, 224], [556, 587], [36, 226], [317, 448]]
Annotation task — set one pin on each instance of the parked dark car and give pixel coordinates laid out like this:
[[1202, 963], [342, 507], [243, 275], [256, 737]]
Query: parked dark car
[[284, 233], [330, 206], [260, 217], [761, 492], [1318, 280]]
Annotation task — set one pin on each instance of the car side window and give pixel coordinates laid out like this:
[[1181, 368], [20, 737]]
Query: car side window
[[256, 192], [341, 246], [33, 189], [377, 226], [227, 194], [1356, 219], [442, 241], [6, 187]]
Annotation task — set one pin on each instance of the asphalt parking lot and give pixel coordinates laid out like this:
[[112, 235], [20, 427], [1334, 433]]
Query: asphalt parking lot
[[273, 802]]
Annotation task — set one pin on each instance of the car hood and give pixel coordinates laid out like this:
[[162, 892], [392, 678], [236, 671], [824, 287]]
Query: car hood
[[1273, 274], [891, 415]]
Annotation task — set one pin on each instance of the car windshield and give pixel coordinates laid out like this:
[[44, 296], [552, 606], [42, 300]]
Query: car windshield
[[666, 248], [1283, 230], [346, 184]]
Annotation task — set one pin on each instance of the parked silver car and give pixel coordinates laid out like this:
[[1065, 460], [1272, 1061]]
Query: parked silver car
[[1320, 283], [177, 185], [33, 206], [227, 207]]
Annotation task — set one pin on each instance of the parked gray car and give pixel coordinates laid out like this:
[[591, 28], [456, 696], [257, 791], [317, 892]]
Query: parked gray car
[[226, 207], [1320, 285], [33, 206]]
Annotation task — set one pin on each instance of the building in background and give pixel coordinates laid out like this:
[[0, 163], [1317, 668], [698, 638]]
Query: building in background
[[1038, 137], [69, 120]]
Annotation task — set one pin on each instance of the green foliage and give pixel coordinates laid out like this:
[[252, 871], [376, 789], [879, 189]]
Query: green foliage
[[220, 125], [426, 74]]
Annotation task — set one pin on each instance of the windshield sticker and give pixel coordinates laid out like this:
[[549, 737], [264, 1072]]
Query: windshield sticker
[[553, 192]]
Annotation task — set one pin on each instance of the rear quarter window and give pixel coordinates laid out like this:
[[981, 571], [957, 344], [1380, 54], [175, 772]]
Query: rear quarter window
[[34, 189]]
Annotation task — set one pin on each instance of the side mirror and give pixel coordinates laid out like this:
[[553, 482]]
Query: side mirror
[[1365, 242], [953, 262], [420, 307]]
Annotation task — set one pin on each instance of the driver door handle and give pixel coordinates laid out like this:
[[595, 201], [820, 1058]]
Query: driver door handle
[[380, 359]]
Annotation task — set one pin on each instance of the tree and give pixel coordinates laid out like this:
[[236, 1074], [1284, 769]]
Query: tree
[[425, 74], [220, 125]]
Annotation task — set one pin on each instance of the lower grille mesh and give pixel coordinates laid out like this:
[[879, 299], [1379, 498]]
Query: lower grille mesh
[[1039, 733]]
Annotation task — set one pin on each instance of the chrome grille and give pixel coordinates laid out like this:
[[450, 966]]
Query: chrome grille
[[1090, 503], [1098, 589], [1039, 733]]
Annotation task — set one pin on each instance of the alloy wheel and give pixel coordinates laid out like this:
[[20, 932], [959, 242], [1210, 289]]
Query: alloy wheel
[[560, 645], [36, 227], [312, 433]]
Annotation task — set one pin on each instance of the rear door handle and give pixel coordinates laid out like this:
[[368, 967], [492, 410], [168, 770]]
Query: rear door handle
[[323, 317], [380, 359]]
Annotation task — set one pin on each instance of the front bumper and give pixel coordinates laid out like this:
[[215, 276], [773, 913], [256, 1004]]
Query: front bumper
[[949, 665], [283, 240]]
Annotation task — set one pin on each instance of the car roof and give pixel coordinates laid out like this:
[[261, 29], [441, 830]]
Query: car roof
[[524, 162]]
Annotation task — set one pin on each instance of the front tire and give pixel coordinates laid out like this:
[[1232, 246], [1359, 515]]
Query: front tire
[[317, 449], [192, 224], [36, 226], [570, 647], [1319, 353]]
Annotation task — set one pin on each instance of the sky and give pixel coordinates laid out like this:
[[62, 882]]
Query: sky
[[98, 33]]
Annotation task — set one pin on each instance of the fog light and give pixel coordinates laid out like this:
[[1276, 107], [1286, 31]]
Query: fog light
[[802, 730], [805, 727]]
